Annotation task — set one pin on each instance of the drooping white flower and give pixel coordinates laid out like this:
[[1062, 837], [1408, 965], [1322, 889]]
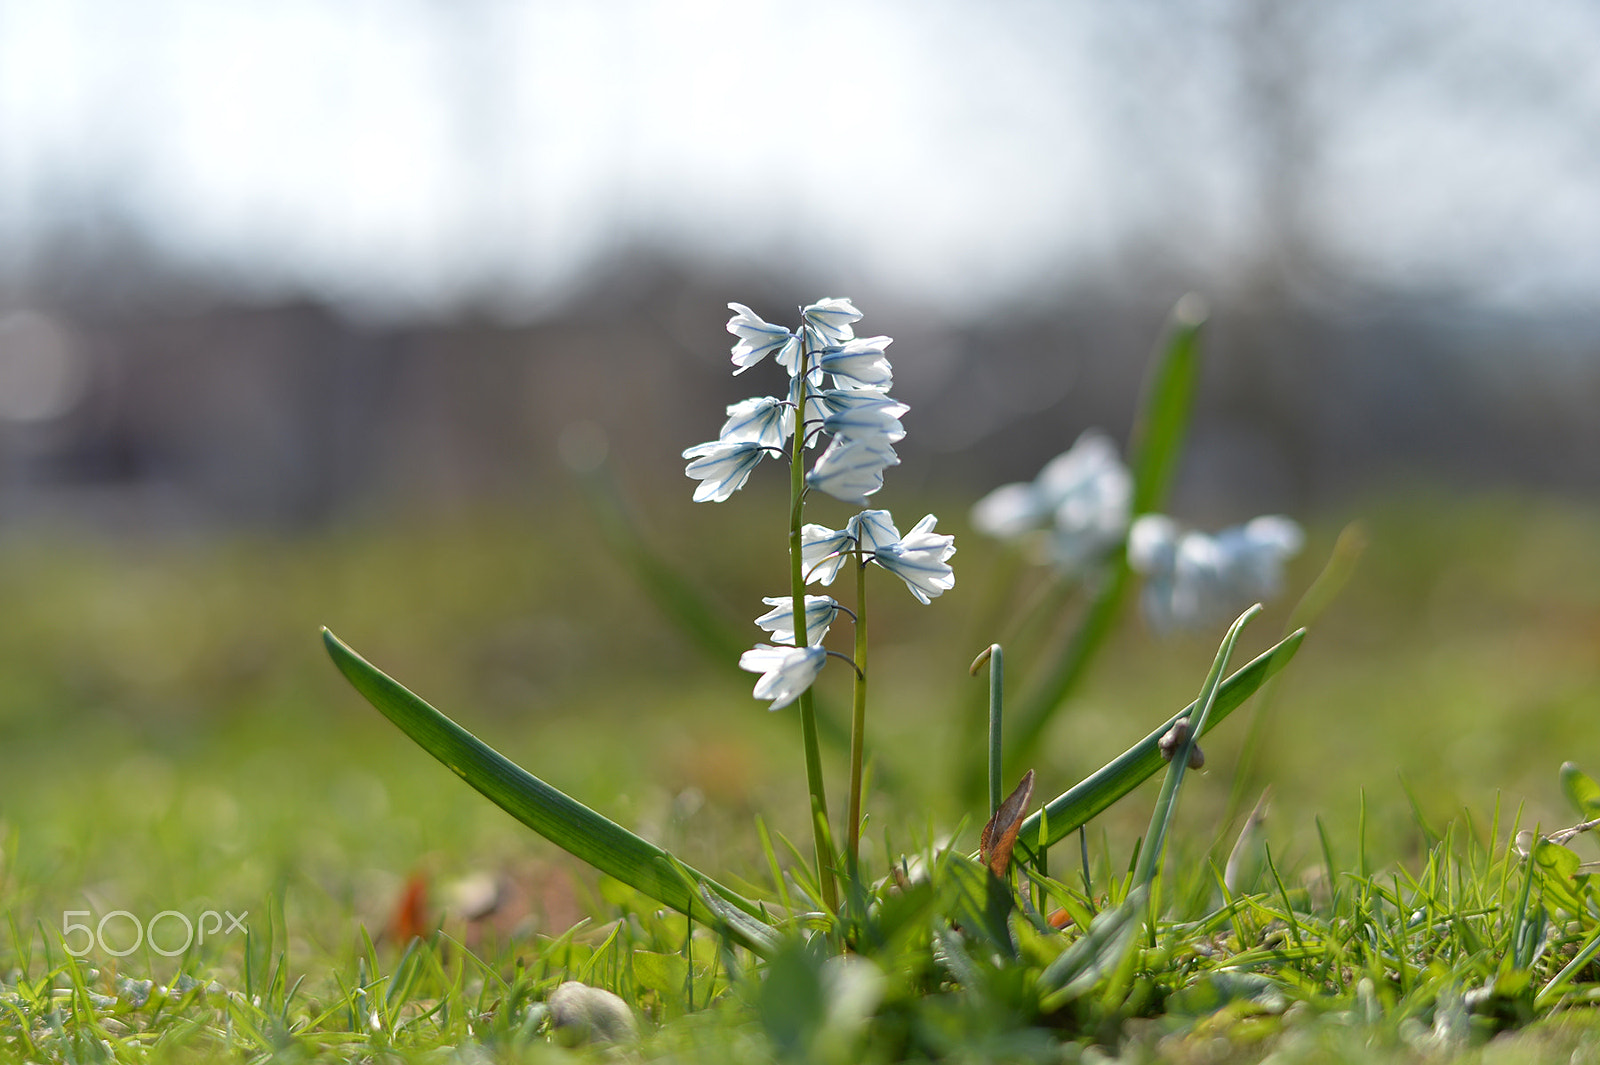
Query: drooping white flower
[[785, 671], [862, 412], [872, 529], [1091, 520], [859, 363], [1082, 496], [1009, 511], [921, 559], [1254, 554], [779, 621], [826, 402], [763, 420], [1092, 458], [721, 467], [1152, 544], [851, 470], [1182, 576], [830, 319], [1194, 579], [758, 339], [823, 551]]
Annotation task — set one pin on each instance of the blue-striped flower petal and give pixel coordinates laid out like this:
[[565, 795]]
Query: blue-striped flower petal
[[779, 621], [785, 671], [721, 467]]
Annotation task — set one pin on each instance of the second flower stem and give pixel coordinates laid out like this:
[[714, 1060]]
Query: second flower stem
[[858, 718]]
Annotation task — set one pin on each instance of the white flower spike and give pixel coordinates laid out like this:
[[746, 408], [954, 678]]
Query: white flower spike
[[779, 621], [785, 671]]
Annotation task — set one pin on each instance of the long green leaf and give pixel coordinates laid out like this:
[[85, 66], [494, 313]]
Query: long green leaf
[[1163, 418], [562, 820], [1101, 789], [1157, 446]]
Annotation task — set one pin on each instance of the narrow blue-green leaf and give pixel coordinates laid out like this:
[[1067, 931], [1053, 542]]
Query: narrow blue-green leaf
[[562, 820], [1167, 802], [1159, 428], [1163, 418], [1097, 792]]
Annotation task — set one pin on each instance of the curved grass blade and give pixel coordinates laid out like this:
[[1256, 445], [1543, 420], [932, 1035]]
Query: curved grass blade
[[562, 820], [1158, 433], [1167, 803], [1105, 786]]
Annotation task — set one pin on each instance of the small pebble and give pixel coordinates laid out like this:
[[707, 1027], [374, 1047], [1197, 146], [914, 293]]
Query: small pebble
[[583, 1014]]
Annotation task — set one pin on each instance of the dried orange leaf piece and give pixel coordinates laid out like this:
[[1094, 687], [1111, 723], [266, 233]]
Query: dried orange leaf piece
[[1000, 834]]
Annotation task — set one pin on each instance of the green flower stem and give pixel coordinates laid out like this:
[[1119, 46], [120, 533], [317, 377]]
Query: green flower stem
[[858, 717], [997, 675], [797, 584], [995, 659]]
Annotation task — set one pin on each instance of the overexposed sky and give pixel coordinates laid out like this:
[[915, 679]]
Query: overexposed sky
[[400, 152]]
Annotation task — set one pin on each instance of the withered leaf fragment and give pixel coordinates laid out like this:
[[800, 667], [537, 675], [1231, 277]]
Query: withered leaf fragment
[[1000, 834]]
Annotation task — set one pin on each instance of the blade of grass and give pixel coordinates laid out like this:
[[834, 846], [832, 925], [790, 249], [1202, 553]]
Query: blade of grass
[[562, 820], [1568, 971], [1105, 944], [1097, 792], [1167, 802]]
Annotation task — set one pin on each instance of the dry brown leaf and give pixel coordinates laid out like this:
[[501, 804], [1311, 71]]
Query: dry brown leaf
[[1000, 834]]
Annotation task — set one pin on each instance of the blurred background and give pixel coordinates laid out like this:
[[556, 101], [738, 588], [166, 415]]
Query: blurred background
[[310, 311]]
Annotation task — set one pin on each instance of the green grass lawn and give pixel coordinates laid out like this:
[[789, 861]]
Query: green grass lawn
[[173, 738]]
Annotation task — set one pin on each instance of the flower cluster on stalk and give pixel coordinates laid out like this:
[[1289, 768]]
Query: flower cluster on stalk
[[1077, 515], [837, 400]]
